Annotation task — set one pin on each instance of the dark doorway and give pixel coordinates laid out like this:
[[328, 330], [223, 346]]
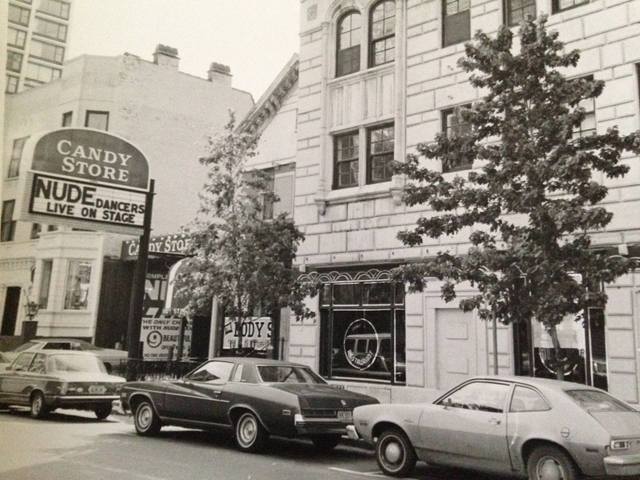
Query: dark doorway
[[11, 305]]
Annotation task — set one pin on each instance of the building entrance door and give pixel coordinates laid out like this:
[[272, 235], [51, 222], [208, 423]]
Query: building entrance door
[[11, 305], [456, 347]]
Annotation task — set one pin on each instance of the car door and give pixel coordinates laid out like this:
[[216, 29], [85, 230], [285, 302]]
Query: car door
[[197, 396], [14, 381], [468, 427]]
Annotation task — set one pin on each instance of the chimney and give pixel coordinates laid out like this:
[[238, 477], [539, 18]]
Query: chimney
[[166, 56], [220, 74]]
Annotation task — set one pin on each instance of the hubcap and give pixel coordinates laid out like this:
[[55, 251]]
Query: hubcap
[[144, 416], [549, 469], [247, 430], [393, 452]]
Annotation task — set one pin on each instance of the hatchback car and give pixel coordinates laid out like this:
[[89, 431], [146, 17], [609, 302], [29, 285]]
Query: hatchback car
[[540, 428], [59, 379]]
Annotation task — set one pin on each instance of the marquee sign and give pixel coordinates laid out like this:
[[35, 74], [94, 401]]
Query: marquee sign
[[176, 244], [84, 178]]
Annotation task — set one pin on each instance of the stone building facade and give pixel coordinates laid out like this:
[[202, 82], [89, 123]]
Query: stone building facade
[[376, 78]]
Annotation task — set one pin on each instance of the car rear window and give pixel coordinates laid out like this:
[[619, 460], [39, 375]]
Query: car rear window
[[75, 363], [287, 374], [595, 401]]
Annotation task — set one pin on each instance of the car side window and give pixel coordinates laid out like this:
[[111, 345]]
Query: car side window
[[482, 396], [212, 372], [57, 346], [527, 400], [39, 364], [22, 362], [237, 375]]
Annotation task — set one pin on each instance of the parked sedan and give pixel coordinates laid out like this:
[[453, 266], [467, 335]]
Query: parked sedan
[[59, 379], [109, 356], [252, 397], [543, 429]]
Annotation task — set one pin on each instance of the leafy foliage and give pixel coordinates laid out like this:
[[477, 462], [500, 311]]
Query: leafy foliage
[[532, 202], [236, 255]]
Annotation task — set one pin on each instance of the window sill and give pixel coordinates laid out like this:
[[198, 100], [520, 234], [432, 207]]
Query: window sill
[[369, 72], [343, 195]]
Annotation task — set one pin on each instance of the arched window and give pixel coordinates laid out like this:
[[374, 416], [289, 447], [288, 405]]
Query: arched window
[[382, 25], [348, 44]]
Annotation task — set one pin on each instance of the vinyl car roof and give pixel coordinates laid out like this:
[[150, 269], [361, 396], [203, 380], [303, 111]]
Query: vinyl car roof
[[59, 352]]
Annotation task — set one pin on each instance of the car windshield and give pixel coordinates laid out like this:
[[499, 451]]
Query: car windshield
[[595, 401], [25, 346], [75, 363], [287, 374]]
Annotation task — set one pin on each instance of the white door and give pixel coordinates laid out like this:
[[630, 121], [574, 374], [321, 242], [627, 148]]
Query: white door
[[457, 349]]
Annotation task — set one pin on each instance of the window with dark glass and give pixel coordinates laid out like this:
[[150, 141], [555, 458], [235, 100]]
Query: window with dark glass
[[515, 11], [588, 125], [96, 119], [380, 154], [36, 228], [57, 8], [16, 38], [453, 125], [363, 332], [560, 5], [346, 156], [282, 179], [50, 29], [348, 44], [45, 283], [67, 119], [12, 84], [8, 226], [456, 21], [16, 156], [14, 61], [19, 15], [47, 51], [382, 32]]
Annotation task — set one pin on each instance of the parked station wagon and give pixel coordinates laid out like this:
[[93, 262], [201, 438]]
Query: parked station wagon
[[540, 428]]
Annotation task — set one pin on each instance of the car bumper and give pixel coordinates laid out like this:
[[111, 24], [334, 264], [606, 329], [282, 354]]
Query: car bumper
[[319, 426], [622, 465], [352, 433], [81, 400]]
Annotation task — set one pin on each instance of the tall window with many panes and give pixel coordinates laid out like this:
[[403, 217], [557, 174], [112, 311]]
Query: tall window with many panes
[[454, 125], [380, 154], [515, 11], [348, 44], [346, 156], [456, 21], [382, 30]]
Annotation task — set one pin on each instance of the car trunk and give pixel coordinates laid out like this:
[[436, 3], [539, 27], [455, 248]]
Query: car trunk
[[621, 425], [325, 396]]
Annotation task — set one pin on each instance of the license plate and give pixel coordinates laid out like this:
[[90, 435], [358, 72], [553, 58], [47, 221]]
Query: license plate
[[345, 415], [97, 389]]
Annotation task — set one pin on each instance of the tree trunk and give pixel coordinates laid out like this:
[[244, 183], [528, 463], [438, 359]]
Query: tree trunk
[[553, 332]]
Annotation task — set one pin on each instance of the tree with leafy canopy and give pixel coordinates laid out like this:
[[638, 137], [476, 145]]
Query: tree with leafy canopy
[[235, 254], [534, 198]]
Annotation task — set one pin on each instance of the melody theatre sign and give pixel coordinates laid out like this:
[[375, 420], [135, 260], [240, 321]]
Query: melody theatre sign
[[85, 178]]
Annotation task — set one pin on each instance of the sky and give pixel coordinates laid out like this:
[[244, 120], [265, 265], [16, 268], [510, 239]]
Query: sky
[[254, 37]]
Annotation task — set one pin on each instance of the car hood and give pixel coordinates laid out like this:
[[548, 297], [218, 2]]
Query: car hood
[[619, 424], [324, 396], [88, 377]]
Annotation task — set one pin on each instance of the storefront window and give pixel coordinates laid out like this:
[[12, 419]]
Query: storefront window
[[45, 283], [363, 331], [77, 287]]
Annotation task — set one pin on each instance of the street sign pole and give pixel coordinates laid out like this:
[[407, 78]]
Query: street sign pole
[[137, 290]]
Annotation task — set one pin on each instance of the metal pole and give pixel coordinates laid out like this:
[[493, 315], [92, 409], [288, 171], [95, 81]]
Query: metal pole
[[495, 344], [137, 289]]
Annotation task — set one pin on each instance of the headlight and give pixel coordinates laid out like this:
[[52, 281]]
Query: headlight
[[617, 445]]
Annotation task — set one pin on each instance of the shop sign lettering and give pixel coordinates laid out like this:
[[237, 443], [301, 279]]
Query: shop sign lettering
[[167, 244], [160, 337], [255, 333]]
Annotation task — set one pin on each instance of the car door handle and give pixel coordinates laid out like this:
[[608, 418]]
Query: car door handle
[[495, 421]]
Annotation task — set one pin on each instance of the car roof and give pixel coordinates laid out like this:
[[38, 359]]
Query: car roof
[[541, 383], [59, 351], [257, 361], [56, 339]]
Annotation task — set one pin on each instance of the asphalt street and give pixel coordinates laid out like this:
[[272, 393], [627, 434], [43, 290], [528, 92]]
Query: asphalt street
[[70, 445]]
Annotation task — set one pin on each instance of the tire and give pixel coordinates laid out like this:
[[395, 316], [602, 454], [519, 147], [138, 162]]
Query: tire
[[145, 419], [325, 443], [395, 454], [250, 435], [38, 406], [103, 411], [549, 462]]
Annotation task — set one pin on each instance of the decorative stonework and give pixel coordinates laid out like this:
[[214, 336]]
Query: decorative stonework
[[373, 274]]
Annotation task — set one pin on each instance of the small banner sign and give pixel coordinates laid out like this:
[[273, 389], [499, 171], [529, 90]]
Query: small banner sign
[[255, 333], [84, 178], [160, 337], [176, 244]]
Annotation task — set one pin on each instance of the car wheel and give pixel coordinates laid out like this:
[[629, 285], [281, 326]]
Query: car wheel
[[103, 411], [38, 407], [550, 463], [145, 419], [250, 434], [395, 454], [325, 443]]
